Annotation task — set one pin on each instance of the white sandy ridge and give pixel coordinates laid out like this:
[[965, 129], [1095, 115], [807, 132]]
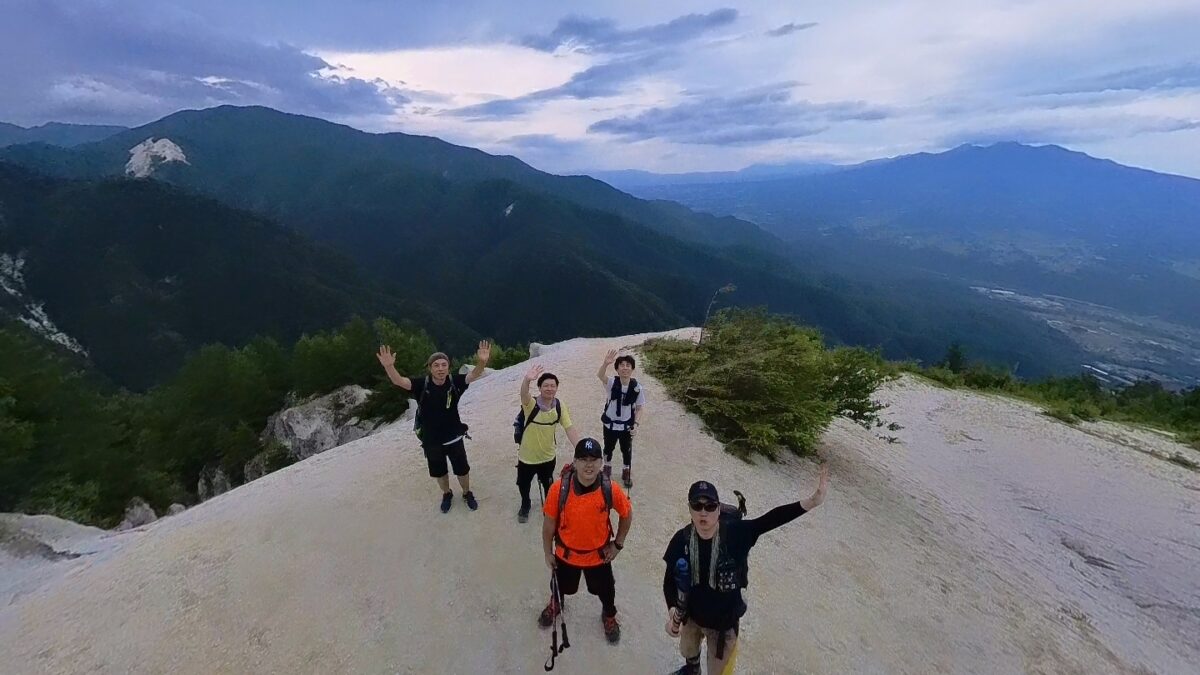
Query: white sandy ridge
[[991, 539]]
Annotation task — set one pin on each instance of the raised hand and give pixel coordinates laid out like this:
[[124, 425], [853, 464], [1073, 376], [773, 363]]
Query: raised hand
[[610, 358], [484, 353], [822, 485], [533, 373], [386, 357]]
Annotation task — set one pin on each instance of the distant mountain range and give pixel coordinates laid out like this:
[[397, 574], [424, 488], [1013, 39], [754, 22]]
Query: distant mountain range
[[629, 179], [139, 273], [55, 133], [1034, 220], [497, 248]]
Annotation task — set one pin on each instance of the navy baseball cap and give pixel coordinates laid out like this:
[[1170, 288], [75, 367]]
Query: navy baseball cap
[[589, 448], [703, 489]]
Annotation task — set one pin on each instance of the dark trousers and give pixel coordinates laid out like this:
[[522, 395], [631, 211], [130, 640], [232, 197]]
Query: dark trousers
[[611, 438], [525, 474], [600, 583]]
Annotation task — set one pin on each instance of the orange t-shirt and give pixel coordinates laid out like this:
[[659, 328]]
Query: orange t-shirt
[[585, 525]]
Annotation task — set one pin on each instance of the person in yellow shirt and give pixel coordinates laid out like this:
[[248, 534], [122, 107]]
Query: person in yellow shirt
[[537, 427]]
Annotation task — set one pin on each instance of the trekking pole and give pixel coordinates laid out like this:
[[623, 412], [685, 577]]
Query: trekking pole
[[555, 596]]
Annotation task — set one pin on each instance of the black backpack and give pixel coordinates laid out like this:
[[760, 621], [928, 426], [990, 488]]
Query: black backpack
[[730, 513], [614, 394], [452, 395], [520, 424]]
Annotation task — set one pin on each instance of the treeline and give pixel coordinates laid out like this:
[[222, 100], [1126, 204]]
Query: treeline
[[73, 446], [1080, 397]]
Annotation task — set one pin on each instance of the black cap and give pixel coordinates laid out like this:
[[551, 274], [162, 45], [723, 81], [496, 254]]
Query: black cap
[[588, 447], [703, 489]]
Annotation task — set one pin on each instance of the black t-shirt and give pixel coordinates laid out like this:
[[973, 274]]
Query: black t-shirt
[[439, 420], [707, 607]]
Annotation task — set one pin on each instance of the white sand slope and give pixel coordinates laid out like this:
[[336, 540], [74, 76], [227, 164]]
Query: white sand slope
[[991, 540]]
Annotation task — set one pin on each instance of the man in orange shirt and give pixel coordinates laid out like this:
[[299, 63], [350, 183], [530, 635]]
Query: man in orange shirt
[[577, 534]]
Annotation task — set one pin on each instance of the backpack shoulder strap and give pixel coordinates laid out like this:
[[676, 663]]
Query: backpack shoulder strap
[[532, 414], [607, 490], [564, 491]]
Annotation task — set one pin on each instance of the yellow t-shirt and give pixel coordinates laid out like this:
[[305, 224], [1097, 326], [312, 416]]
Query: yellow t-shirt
[[538, 443]]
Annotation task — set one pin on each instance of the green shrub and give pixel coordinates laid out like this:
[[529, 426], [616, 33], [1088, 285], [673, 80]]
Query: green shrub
[[981, 376], [1061, 411], [762, 383], [943, 375]]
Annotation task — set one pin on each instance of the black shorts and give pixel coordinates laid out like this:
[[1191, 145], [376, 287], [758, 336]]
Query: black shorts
[[543, 471], [600, 580], [437, 455]]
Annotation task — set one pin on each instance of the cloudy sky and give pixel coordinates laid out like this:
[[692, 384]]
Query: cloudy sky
[[678, 87]]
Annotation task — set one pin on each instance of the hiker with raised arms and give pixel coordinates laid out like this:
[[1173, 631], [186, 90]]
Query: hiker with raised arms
[[712, 556], [437, 423], [578, 538], [623, 411], [535, 432]]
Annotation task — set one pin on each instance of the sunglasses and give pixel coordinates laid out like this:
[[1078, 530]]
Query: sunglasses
[[705, 506]]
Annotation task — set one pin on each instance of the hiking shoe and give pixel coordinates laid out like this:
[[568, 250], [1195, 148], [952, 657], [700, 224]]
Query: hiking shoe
[[612, 628], [688, 669], [627, 477], [446, 499], [469, 498], [523, 515], [548, 615]]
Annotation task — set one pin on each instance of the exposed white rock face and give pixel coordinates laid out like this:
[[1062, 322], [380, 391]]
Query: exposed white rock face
[[467, 367], [137, 514], [320, 424], [146, 156], [32, 314], [536, 349], [12, 277], [176, 509]]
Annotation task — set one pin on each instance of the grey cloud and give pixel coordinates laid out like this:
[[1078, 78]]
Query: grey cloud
[[542, 143], [134, 61], [1071, 131], [789, 28], [1145, 78], [602, 35], [605, 79], [753, 116]]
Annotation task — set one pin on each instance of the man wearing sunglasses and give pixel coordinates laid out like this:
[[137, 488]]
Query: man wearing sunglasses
[[717, 555]]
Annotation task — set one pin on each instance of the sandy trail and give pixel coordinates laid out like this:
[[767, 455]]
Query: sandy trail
[[991, 539]]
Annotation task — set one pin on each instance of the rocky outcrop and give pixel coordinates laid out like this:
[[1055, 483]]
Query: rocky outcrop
[[213, 481], [318, 425], [176, 509], [257, 467], [467, 367], [536, 349], [137, 514]]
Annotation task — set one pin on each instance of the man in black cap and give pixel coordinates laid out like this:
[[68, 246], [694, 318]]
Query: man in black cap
[[717, 555], [577, 533]]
